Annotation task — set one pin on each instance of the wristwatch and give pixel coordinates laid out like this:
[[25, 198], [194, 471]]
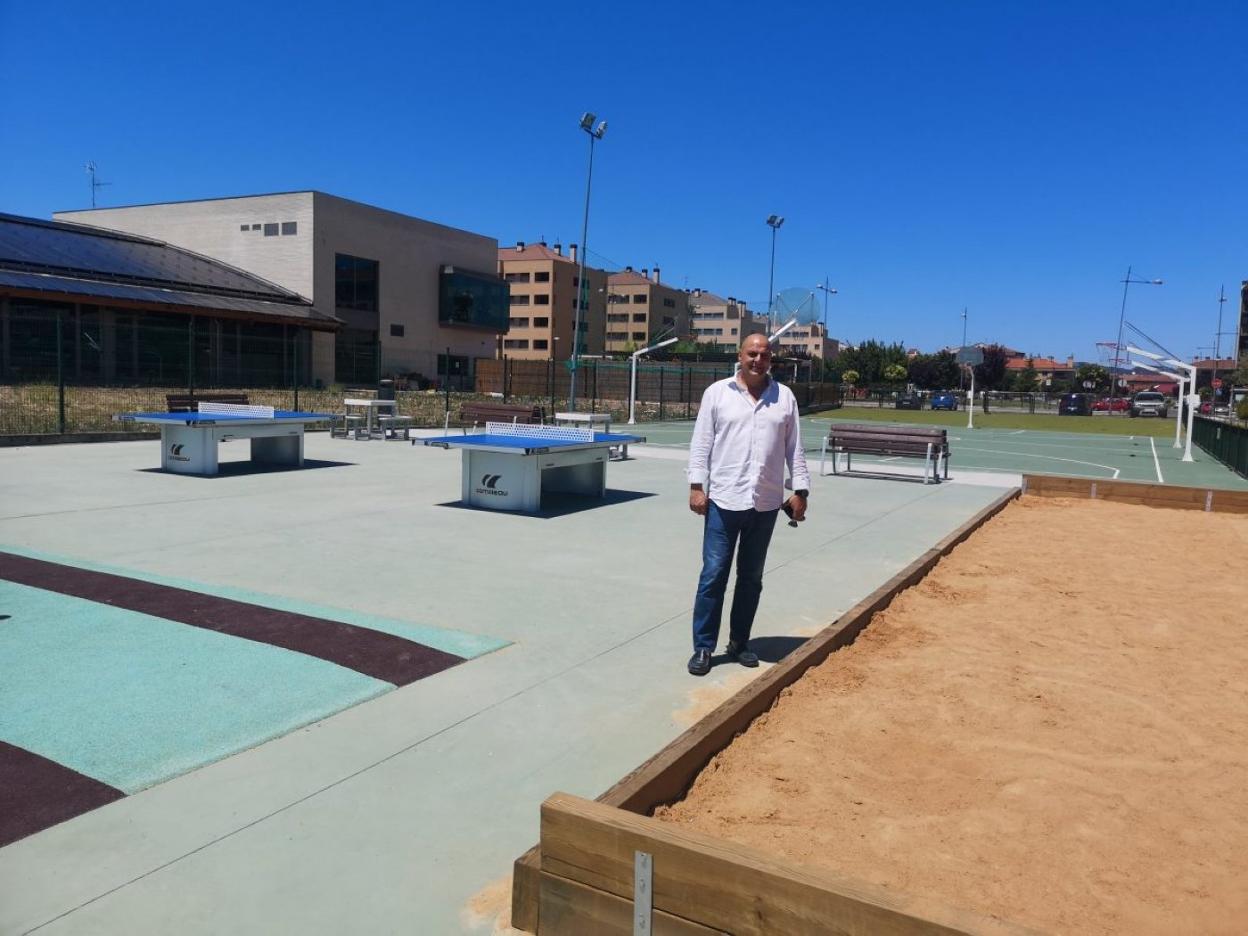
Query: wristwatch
[[804, 494]]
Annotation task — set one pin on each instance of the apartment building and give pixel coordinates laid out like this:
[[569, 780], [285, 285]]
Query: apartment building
[[721, 322], [809, 341], [641, 308], [543, 282], [413, 296]]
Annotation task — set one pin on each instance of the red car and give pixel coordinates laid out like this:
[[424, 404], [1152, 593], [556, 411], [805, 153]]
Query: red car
[[1111, 405]]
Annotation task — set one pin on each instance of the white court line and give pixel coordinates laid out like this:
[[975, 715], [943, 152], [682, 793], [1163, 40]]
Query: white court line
[[1018, 432], [1073, 461], [1156, 463]]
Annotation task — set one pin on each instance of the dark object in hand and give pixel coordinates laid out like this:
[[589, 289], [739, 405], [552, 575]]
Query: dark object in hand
[[788, 509]]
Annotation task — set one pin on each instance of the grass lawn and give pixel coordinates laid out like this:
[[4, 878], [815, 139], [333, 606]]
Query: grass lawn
[[1103, 425]]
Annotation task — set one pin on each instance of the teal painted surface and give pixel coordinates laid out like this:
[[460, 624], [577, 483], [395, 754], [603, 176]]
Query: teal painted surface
[[461, 644], [132, 700]]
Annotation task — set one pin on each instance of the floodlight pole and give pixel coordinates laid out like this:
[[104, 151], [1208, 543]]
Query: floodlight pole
[[582, 290], [774, 222], [1122, 316], [632, 386]]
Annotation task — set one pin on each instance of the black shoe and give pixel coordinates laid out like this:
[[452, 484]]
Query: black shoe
[[741, 654], [700, 663]]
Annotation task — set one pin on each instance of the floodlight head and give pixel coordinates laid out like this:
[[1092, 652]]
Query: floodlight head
[[602, 128], [775, 221], [1156, 282], [587, 121]]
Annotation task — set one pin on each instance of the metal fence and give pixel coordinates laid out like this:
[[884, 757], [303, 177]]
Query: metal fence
[[664, 392], [1225, 441]]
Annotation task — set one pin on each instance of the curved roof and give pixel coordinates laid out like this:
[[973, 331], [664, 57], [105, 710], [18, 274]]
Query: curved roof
[[61, 257]]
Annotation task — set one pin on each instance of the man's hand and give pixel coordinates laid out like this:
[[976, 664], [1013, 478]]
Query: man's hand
[[797, 504], [698, 500]]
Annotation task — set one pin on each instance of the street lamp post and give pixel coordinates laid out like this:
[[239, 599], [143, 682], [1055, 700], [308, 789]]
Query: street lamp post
[[827, 291], [773, 222], [1122, 315], [582, 291]]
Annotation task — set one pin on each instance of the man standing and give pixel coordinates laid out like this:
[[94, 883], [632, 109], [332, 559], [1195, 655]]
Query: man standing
[[747, 431]]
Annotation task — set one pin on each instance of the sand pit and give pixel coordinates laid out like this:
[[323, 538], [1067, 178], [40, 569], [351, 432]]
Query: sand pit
[[1051, 728]]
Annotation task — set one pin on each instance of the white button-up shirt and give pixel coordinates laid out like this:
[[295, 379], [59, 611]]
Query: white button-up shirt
[[740, 446]]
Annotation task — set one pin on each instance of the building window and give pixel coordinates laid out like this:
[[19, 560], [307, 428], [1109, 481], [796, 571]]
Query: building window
[[639, 298], [517, 323], [396, 331], [639, 336], [289, 228], [255, 227], [668, 320], [617, 336], [244, 227], [516, 344], [639, 316], [541, 322], [516, 277], [541, 299], [541, 276], [355, 282], [669, 303], [540, 344], [519, 300], [617, 317], [270, 230]]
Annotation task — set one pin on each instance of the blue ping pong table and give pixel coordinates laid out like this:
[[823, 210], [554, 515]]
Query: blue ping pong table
[[188, 441], [508, 467]]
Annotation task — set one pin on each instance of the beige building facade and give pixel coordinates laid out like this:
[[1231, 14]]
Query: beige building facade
[[810, 341], [720, 321], [543, 283], [413, 296], [642, 309]]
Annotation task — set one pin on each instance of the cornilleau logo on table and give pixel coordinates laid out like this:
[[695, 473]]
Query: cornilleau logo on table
[[175, 452], [489, 485]]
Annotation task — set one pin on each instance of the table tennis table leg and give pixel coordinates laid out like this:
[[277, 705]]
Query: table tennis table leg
[[185, 450], [278, 450]]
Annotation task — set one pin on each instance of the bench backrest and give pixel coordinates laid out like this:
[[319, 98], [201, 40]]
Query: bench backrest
[[189, 403], [927, 433]]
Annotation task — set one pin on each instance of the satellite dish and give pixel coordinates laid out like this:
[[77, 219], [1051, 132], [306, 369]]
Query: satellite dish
[[798, 303]]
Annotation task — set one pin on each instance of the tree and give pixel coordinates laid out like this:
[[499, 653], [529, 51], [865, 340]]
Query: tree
[[990, 375], [933, 371], [870, 358], [894, 373], [850, 377], [1027, 377], [1096, 375], [1239, 376]]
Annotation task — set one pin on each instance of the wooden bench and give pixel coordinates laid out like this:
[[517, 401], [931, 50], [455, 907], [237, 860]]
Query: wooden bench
[[189, 402], [472, 415], [930, 443]]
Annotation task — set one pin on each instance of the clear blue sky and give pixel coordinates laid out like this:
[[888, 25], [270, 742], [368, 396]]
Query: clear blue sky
[[1013, 158]]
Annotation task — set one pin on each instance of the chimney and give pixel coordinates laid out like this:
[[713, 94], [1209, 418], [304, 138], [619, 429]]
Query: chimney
[[559, 249], [698, 293], [656, 274], [572, 252], [628, 269], [543, 243], [520, 246], [645, 272]]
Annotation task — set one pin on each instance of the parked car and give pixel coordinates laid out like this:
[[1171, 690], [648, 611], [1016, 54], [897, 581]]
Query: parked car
[[909, 401], [1150, 403], [1074, 404], [1205, 408], [944, 399], [1111, 405], [1221, 409]]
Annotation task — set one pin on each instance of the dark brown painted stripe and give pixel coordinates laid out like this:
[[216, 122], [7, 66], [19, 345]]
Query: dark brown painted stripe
[[373, 653], [36, 793]]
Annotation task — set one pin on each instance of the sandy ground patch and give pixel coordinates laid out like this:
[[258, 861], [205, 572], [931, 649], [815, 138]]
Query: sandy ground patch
[[1052, 728]]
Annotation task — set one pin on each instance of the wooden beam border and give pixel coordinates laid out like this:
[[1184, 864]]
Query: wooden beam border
[[1138, 492], [666, 776]]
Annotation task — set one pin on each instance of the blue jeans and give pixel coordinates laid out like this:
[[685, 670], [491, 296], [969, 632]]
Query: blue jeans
[[722, 532]]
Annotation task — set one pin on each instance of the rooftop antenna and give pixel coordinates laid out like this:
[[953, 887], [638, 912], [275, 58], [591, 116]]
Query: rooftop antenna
[[95, 183]]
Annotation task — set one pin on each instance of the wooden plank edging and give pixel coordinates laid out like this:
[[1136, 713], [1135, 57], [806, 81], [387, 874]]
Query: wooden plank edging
[[718, 885], [1138, 492], [666, 776]]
